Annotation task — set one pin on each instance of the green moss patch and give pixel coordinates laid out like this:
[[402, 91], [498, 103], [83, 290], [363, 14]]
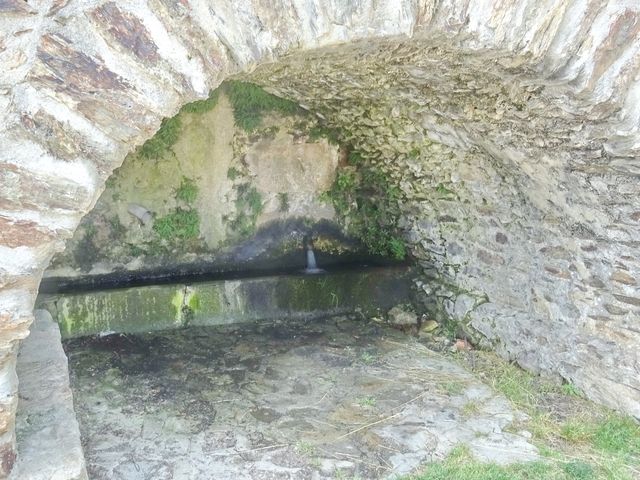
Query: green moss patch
[[578, 439], [250, 102], [187, 191], [149, 308], [368, 203], [169, 131], [164, 138], [181, 224], [202, 106]]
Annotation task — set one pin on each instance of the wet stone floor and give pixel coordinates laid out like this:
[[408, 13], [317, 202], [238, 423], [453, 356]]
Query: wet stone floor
[[337, 398]]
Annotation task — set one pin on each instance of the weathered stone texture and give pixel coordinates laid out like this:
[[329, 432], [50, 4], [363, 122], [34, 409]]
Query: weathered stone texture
[[527, 111], [285, 170], [494, 205], [47, 429], [165, 307]]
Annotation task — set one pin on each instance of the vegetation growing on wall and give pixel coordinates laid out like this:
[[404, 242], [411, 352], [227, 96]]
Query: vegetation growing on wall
[[283, 201], [177, 228], [164, 138], [321, 131], [182, 223], [250, 103], [86, 252], [233, 173], [202, 106], [362, 195], [187, 191], [249, 206], [169, 130]]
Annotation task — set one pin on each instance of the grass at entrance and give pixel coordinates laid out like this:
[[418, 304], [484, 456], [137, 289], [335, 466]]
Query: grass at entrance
[[577, 439]]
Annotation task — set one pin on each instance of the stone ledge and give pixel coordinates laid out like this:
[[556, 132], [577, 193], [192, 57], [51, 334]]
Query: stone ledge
[[48, 435], [161, 307]]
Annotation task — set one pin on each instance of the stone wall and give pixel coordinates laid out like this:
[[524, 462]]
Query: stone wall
[[526, 231], [554, 83], [208, 195]]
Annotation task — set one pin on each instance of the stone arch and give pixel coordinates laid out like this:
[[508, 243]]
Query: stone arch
[[84, 82]]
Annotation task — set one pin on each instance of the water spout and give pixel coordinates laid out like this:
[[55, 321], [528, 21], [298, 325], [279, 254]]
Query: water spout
[[311, 259], [312, 266]]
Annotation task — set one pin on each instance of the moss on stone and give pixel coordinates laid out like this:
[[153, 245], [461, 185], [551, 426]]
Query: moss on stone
[[194, 302], [331, 293], [250, 102], [207, 304], [177, 301], [178, 225], [368, 203], [164, 138], [129, 311], [214, 303], [202, 106]]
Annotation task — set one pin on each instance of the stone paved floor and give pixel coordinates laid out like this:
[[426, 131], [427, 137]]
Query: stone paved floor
[[336, 398]]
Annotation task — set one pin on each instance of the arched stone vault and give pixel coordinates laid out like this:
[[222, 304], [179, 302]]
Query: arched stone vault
[[511, 201], [529, 108]]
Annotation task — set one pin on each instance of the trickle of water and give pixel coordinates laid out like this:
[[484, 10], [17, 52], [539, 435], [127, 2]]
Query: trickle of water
[[312, 266], [311, 259]]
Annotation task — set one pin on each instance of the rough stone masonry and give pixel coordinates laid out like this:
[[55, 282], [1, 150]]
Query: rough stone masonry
[[511, 126]]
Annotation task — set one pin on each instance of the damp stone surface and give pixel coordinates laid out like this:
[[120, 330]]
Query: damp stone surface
[[332, 398], [523, 121]]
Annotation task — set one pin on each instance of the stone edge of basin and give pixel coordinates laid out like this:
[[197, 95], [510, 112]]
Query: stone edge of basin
[[48, 434], [220, 302]]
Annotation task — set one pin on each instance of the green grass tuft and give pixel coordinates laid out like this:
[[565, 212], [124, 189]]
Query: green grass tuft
[[397, 248], [571, 389], [576, 431], [368, 401], [233, 173], [250, 102], [618, 434], [579, 470], [461, 465], [178, 225], [249, 206], [249, 198], [187, 191], [202, 106], [163, 140], [320, 131]]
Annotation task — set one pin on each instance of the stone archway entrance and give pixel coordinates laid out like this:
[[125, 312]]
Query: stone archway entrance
[[542, 105]]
